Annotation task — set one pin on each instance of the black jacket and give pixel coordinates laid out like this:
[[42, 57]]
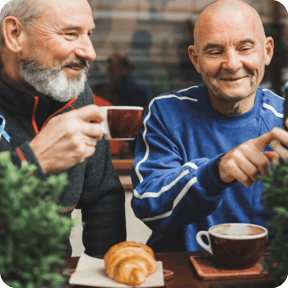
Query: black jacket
[[94, 186]]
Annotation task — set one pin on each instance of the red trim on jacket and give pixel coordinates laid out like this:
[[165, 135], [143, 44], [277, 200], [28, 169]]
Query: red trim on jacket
[[21, 155], [34, 115], [67, 209], [67, 105]]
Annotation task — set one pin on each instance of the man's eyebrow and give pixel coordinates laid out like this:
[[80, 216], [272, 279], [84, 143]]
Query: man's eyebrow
[[246, 41], [209, 46], [73, 27]]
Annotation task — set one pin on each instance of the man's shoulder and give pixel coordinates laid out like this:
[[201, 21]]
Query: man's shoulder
[[272, 101], [268, 94], [181, 97]]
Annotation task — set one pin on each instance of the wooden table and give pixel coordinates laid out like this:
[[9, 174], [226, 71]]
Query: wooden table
[[123, 168], [185, 276]]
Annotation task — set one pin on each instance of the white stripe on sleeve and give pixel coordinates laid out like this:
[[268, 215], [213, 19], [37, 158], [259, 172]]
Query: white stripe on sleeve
[[163, 189], [192, 165], [277, 114], [145, 129], [176, 201]]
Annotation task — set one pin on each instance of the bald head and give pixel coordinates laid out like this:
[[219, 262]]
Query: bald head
[[218, 10]]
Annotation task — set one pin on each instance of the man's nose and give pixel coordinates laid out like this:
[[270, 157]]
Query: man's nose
[[85, 49], [232, 61]]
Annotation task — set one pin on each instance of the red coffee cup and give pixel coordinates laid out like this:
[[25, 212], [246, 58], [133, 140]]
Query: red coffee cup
[[235, 245], [121, 122]]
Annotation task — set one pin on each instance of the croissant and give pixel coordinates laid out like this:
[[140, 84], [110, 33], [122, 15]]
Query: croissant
[[130, 262]]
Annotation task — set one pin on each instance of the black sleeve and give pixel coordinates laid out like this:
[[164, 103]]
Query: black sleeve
[[21, 154]]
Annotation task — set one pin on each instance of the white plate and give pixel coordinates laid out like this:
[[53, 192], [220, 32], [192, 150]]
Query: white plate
[[91, 272]]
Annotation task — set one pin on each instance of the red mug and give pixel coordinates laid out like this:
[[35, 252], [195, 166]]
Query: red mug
[[121, 122], [235, 245]]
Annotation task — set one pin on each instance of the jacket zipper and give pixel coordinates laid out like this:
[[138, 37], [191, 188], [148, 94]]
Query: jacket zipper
[[67, 105], [35, 108]]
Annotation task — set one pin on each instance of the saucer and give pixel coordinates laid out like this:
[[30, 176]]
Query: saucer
[[208, 268]]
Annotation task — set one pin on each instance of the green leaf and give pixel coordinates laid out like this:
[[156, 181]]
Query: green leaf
[[32, 231], [275, 198]]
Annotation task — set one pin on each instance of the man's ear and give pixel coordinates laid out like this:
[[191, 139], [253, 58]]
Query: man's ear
[[194, 57], [269, 50], [13, 33]]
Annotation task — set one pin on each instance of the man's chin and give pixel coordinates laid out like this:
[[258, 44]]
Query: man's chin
[[235, 93]]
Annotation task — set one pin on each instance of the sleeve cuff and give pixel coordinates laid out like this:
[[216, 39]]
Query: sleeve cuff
[[25, 153], [208, 176], [217, 174]]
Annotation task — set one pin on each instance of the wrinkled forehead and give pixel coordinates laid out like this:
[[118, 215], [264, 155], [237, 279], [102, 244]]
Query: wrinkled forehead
[[227, 19], [68, 13]]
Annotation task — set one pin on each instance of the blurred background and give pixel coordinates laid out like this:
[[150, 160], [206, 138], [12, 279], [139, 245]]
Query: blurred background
[[153, 35]]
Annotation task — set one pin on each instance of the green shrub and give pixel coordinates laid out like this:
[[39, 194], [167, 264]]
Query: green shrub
[[276, 201], [32, 231]]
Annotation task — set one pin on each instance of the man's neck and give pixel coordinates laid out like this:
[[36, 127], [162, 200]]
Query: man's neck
[[16, 79], [233, 106]]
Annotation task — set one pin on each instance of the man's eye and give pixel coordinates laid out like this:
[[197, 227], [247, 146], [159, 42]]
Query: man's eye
[[245, 48], [215, 52], [71, 35]]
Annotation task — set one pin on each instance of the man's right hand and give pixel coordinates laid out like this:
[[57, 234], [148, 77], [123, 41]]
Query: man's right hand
[[247, 161], [68, 139]]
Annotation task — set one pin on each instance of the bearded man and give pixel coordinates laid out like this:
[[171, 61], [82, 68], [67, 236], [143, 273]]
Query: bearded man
[[47, 110]]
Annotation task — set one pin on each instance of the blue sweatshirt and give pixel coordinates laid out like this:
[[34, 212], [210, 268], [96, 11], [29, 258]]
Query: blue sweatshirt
[[177, 191]]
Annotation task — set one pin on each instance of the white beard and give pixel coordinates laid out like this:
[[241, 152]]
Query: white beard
[[53, 82]]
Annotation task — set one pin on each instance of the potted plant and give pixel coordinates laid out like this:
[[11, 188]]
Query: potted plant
[[32, 231], [276, 201]]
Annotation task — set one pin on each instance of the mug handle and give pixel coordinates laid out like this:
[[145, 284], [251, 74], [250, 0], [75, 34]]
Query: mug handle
[[201, 243]]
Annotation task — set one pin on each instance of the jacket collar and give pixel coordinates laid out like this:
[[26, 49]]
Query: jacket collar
[[23, 102], [19, 100]]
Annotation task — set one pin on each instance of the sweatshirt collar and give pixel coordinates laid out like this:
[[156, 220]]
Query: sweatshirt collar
[[230, 119]]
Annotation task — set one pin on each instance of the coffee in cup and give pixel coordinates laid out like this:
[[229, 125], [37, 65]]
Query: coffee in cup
[[235, 245], [121, 122]]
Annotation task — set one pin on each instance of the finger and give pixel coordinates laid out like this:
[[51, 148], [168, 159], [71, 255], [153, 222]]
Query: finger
[[90, 113], [286, 122], [241, 176], [91, 142], [93, 130], [90, 151], [259, 162], [262, 141], [275, 134], [271, 155], [229, 170], [253, 167], [280, 150], [251, 160]]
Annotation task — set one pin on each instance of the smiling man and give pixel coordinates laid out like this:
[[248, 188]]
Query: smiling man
[[201, 150], [47, 110]]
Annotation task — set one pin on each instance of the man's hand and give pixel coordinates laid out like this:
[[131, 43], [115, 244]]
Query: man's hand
[[245, 162], [68, 139]]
